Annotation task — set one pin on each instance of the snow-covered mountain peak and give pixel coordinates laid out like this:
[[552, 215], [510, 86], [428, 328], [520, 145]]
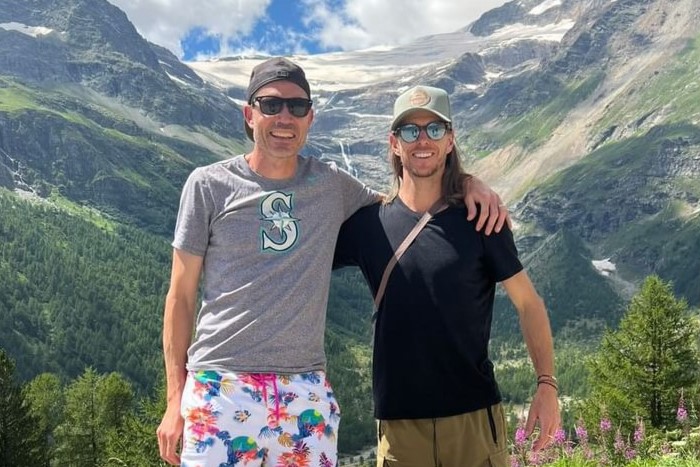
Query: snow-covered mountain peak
[[339, 71]]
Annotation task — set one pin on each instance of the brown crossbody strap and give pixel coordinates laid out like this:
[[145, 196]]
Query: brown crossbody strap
[[439, 204]]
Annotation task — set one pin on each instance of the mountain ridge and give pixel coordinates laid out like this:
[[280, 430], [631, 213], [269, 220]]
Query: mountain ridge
[[524, 118]]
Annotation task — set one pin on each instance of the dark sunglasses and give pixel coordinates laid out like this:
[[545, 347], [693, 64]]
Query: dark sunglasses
[[297, 106], [435, 131]]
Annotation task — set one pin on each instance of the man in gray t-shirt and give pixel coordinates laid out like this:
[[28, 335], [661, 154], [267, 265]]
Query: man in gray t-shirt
[[260, 231]]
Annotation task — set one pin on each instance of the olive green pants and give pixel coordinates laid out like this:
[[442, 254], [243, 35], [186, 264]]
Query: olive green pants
[[474, 439]]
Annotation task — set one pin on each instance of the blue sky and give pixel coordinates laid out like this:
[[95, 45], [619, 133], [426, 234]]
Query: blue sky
[[214, 28], [280, 31]]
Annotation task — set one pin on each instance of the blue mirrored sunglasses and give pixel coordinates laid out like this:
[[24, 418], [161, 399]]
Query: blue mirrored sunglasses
[[411, 132]]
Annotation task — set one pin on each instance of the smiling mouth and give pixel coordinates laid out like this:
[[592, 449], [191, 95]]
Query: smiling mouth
[[284, 134], [422, 155]]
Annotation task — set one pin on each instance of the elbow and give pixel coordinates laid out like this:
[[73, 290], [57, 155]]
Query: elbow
[[534, 305]]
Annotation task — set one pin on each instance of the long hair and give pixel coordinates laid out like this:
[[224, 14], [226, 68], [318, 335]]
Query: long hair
[[452, 178]]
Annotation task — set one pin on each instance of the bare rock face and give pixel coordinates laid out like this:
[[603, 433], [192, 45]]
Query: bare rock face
[[93, 44], [6, 180]]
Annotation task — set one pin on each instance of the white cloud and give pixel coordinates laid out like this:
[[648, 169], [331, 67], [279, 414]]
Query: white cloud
[[334, 24], [369, 23], [165, 22]]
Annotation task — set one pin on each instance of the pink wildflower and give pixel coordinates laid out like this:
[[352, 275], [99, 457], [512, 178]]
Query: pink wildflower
[[581, 432], [535, 458], [681, 413], [605, 425], [619, 442], [520, 435], [639, 431], [559, 437]]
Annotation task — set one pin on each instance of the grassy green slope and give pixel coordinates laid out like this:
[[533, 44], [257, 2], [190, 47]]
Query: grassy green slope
[[78, 289], [634, 201], [672, 94], [91, 155], [348, 337], [580, 301], [77, 292], [543, 112]]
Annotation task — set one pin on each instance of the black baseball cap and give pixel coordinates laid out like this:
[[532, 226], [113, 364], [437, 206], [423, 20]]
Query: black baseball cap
[[274, 69]]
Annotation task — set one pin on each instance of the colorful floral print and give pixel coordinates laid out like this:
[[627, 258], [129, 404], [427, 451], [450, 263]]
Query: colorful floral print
[[253, 420]]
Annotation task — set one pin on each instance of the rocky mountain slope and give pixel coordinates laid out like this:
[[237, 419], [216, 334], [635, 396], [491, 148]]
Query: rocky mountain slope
[[93, 113], [583, 114]]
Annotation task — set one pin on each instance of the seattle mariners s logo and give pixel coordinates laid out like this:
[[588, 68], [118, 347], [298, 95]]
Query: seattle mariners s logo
[[283, 233]]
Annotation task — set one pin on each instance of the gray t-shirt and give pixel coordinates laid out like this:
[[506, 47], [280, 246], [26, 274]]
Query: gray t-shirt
[[268, 249]]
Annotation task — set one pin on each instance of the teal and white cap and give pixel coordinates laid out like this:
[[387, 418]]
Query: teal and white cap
[[428, 98]]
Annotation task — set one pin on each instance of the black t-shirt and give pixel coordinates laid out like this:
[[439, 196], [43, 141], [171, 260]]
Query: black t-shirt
[[434, 322]]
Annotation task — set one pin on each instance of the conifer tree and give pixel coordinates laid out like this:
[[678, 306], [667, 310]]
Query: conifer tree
[[79, 437], [44, 395], [641, 368], [20, 444], [96, 406], [134, 442]]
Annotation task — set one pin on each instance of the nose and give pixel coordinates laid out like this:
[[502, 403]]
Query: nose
[[423, 136]]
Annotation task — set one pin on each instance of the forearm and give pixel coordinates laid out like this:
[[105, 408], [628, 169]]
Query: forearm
[[177, 334], [544, 409], [534, 325], [537, 333]]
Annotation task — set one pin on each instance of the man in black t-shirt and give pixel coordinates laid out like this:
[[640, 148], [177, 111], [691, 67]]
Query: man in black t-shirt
[[435, 395]]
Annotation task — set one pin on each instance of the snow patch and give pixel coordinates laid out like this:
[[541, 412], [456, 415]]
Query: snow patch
[[544, 6], [239, 102], [517, 32], [363, 115], [177, 80], [34, 31], [604, 266]]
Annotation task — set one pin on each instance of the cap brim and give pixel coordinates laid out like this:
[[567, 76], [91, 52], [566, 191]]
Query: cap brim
[[403, 114]]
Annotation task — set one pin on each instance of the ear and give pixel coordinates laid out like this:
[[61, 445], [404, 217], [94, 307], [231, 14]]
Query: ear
[[451, 142], [248, 115], [394, 145]]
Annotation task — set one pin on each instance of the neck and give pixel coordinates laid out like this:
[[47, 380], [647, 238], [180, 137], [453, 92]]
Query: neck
[[276, 168], [419, 194]]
